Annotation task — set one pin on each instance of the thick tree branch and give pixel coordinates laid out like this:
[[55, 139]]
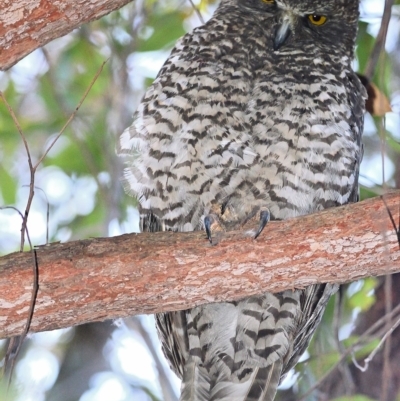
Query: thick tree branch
[[26, 25], [104, 278]]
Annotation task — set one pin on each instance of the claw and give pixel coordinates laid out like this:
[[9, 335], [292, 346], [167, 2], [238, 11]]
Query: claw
[[264, 219], [212, 226], [208, 220]]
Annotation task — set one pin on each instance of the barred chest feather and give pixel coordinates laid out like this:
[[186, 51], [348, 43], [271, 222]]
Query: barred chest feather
[[226, 124], [288, 145], [308, 144]]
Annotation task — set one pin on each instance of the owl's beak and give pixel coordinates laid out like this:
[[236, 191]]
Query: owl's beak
[[282, 33]]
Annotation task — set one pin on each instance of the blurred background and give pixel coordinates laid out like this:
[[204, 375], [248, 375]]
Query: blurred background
[[80, 182]]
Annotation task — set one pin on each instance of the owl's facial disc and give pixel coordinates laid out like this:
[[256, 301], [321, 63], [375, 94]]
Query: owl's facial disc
[[282, 32]]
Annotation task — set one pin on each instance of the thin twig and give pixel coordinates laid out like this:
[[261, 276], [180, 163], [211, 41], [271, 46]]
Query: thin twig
[[376, 349], [83, 146], [20, 339], [388, 286], [197, 11], [350, 351], [343, 367], [47, 211], [31, 169], [168, 392], [17, 341], [22, 217], [16, 122], [380, 40], [396, 229], [386, 373], [73, 113]]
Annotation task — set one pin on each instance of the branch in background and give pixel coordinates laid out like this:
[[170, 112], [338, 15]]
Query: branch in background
[[380, 41], [168, 392], [105, 278], [26, 25]]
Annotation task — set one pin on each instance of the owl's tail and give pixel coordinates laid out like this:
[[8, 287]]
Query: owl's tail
[[260, 386], [265, 383], [195, 383]]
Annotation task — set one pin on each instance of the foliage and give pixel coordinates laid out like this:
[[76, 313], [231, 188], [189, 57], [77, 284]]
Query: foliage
[[353, 398]]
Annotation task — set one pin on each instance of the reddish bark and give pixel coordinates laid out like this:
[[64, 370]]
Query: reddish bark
[[98, 279], [26, 25]]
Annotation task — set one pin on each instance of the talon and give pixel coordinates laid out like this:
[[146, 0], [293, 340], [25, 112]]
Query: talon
[[208, 220], [264, 219]]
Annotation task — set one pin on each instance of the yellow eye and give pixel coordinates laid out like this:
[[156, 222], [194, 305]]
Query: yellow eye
[[268, 1], [317, 19]]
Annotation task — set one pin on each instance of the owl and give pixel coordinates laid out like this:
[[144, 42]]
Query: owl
[[257, 112]]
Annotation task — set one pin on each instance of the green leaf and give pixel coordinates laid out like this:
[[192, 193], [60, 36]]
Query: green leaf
[[8, 186], [365, 297], [69, 160], [366, 193], [358, 397], [323, 364], [365, 43], [166, 30], [393, 143], [365, 350]]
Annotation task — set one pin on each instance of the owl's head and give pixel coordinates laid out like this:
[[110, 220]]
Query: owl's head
[[328, 25]]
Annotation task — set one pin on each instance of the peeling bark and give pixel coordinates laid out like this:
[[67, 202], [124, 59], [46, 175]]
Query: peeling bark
[[103, 278], [26, 25]]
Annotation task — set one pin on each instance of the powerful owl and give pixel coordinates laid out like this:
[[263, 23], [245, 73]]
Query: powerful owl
[[256, 112]]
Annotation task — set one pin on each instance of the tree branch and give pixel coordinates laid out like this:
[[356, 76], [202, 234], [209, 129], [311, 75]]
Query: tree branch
[[26, 25], [103, 278]]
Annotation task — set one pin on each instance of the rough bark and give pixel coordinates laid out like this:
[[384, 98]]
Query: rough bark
[[103, 278], [26, 25]]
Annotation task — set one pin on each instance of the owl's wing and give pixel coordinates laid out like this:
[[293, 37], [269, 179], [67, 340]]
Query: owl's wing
[[357, 96], [315, 298], [313, 302], [171, 331]]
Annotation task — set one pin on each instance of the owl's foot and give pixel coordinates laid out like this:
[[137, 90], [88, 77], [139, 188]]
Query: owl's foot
[[212, 224], [265, 216], [215, 224]]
